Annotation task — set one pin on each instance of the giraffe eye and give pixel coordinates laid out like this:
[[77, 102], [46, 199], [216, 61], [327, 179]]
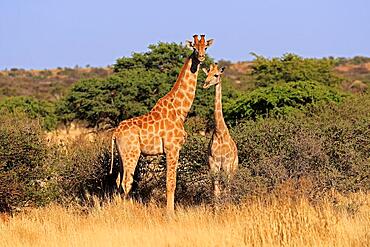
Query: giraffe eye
[[216, 76]]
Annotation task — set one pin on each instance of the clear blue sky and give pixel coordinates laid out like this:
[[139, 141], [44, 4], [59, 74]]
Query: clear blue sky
[[50, 33]]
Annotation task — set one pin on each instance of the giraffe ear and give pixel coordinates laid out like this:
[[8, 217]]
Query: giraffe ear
[[209, 42], [205, 71], [189, 44]]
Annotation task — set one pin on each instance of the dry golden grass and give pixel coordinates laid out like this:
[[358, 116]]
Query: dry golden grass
[[268, 222]]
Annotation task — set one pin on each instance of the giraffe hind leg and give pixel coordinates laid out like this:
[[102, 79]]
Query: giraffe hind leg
[[130, 163], [120, 174], [129, 151], [112, 155]]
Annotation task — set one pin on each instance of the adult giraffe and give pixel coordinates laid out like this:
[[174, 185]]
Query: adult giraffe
[[161, 131]]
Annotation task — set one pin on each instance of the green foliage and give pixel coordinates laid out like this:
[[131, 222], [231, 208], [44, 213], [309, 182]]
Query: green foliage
[[24, 160], [82, 169], [330, 149], [139, 82], [36, 109], [123, 95], [292, 68], [280, 99]]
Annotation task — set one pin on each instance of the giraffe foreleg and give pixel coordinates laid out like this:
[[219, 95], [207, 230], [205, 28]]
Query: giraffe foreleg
[[172, 157], [217, 187], [215, 170]]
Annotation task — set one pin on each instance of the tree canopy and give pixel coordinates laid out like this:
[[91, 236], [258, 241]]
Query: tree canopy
[[293, 68], [126, 94], [137, 84]]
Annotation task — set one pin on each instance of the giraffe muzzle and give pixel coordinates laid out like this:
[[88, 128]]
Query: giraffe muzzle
[[201, 58], [206, 85]]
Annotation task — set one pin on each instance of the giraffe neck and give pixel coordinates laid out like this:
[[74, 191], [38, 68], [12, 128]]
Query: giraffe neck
[[181, 75], [219, 118], [185, 86]]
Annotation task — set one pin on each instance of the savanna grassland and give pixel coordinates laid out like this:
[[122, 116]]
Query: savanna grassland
[[302, 127], [272, 221]]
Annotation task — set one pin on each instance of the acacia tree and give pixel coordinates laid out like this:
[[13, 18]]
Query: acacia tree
[[107, 101], [138, 82]]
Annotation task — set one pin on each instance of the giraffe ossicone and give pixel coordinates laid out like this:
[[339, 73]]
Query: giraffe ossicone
[[161, 131], [222, 150]]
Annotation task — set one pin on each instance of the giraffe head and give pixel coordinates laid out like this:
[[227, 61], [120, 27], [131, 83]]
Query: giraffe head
[[199, 46], [213, 75]]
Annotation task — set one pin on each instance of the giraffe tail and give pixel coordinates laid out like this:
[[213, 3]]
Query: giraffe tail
[[112, 154]]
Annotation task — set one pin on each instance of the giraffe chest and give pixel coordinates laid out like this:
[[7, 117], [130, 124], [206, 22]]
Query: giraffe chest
[[222, 147]]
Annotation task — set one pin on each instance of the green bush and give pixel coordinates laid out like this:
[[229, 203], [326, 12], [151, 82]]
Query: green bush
[[34, 108], [331, 149], [293, 68], [24, 160], [81, 169], [280, 99]]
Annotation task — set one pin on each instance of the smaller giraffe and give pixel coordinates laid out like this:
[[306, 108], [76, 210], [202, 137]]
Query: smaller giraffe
[[222, 151]]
